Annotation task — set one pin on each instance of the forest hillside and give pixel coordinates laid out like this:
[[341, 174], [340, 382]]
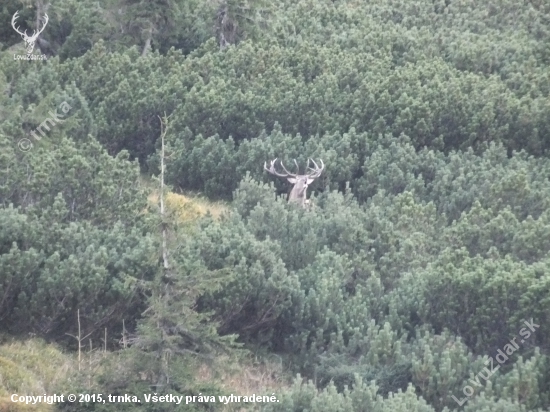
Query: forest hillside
[[146, 247]]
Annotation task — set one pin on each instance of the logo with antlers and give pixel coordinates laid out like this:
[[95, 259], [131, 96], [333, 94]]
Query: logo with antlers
[[29, 40]]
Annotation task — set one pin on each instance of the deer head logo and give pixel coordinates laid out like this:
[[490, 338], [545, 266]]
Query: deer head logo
[[300, 182], [29, 40]]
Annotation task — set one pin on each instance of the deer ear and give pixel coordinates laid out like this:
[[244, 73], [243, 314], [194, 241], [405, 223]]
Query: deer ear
[[291, 180], [309, 181]]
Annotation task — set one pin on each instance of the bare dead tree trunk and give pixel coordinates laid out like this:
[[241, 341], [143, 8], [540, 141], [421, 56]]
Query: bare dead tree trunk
[[147, 46], [226, 26], [124, 344], [163, 125], [163, 378], [40, 10], [79, 338]]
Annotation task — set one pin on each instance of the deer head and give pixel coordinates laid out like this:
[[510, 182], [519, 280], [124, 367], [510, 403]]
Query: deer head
[[300, 182], [29, 40]]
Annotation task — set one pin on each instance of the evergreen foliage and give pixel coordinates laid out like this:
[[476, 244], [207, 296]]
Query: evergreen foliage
[[423, 253]]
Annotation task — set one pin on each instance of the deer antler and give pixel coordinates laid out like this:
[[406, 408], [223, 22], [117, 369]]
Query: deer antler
[[315, 172], [274, 172]]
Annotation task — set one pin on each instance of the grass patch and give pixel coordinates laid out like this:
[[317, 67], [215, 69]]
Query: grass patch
[[183, 207], [32, 368], [248, 375]]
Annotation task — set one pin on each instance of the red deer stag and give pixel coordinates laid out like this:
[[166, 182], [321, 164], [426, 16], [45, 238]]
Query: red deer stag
[[300, 182]]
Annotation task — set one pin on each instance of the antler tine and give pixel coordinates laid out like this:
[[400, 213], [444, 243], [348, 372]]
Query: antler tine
[[297, 167], [317, 171], [286, 171], [274, 172], [271, 167]]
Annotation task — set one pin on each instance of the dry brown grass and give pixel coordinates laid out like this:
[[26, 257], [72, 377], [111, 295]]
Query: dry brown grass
[[250, 376], [185, 208], [32, 367], [6, 405]]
